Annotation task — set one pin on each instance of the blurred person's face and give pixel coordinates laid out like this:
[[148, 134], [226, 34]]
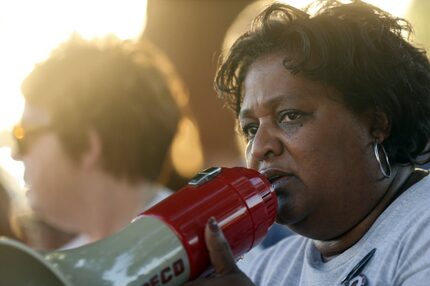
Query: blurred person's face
[[316, 152], [51, 176]]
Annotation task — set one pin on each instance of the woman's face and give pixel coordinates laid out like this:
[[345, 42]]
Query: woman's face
[[317, 153]]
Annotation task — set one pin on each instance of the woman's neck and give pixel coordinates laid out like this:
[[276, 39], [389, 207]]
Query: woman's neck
[[331, 248]]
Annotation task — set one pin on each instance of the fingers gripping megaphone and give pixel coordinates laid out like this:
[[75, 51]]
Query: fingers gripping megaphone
[[163, 245]]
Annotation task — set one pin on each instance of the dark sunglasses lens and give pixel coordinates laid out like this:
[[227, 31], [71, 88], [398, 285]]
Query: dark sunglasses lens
[[24, 138], [20, 140]]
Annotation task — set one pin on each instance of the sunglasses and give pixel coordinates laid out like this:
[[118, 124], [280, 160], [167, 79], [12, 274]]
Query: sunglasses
[[24, 137]]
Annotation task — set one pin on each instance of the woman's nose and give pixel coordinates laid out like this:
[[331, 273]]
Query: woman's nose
[[265, 146]]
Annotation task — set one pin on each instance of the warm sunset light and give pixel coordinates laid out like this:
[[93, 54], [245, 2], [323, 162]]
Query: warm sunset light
[[31, 29], [398, 8]]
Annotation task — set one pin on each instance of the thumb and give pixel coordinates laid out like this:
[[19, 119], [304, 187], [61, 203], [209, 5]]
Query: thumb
[[219, 250]]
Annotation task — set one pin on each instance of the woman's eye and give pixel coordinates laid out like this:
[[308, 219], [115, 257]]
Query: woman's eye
[[249, 131], [290, 116]]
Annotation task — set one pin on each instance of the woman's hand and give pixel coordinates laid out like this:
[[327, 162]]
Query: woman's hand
[[226, 270]]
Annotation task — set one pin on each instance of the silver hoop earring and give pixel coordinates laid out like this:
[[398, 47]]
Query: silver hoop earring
[[377, 149]]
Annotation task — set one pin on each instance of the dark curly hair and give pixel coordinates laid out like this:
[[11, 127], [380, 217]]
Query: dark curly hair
[[357, 48]]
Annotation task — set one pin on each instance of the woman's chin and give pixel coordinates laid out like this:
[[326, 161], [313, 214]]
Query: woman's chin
[[288, 218]]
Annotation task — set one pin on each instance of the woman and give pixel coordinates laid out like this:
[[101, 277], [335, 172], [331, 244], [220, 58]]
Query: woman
[[336, 111]]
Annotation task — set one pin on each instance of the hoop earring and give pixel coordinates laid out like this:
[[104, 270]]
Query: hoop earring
[[379, 148]]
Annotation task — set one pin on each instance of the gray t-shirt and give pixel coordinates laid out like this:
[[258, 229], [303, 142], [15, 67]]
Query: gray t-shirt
[[401, 237]]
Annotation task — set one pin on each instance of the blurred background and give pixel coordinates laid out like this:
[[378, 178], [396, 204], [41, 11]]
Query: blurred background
[[190, 32]]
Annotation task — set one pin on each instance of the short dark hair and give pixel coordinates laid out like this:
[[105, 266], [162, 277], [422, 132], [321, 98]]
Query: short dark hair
[[115, 88], [362, 51]]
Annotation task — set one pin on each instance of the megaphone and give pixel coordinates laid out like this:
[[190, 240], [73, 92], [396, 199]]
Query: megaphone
[[163, 245]]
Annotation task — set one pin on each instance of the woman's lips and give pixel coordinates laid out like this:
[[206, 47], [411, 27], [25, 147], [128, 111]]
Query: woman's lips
[[275, 176], [280, 181]]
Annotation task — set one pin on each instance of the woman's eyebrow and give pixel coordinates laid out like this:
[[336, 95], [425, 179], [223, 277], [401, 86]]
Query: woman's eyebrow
[[273, 101]]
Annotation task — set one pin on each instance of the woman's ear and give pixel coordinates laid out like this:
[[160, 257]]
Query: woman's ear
[[380, 126], [91, 156]]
